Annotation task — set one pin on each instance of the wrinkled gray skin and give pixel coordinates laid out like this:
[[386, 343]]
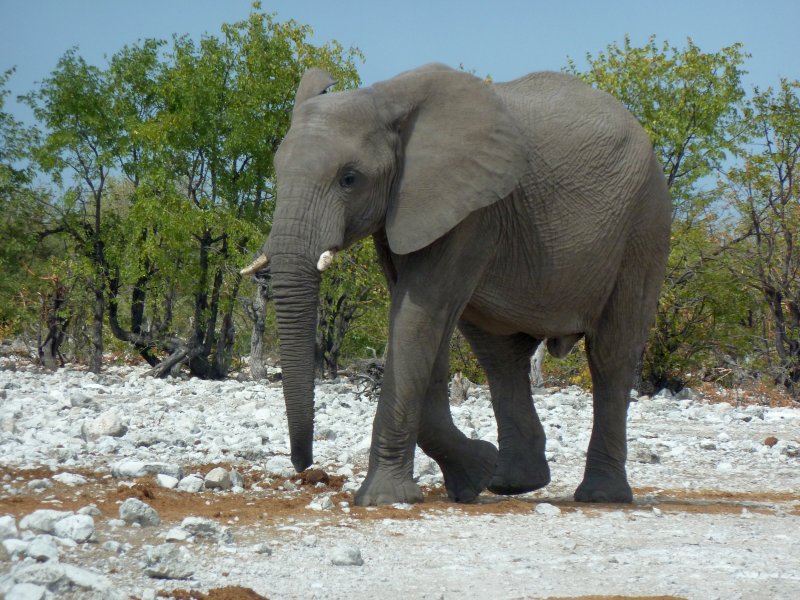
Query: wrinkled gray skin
[[516, 211]]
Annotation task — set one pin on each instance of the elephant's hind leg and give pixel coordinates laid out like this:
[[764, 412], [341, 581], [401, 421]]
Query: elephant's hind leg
[[467, 465], [521, 465], [613, 351]]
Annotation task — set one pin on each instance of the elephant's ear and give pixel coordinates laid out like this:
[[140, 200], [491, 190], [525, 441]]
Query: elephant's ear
[[313, 83], [461, 152]]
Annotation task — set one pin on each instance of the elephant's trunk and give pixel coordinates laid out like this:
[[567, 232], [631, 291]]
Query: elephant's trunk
[[295, 285]]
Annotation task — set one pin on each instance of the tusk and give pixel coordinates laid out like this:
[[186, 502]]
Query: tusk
[[257, 265], [325, 260]]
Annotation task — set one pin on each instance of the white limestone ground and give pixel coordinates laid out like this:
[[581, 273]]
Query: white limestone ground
[[132, 425]]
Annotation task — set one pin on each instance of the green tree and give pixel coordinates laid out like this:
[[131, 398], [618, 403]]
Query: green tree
[[690, 102], [227, 105], [353, 308], [767, 197], [73, 104], [20, 212]]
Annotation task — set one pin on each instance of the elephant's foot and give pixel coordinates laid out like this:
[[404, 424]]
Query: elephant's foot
[[602, 486], [383, 487], [468, 471], [518, 472]]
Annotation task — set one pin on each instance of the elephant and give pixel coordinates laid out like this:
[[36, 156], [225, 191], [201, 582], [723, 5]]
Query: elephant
[[518, 212]]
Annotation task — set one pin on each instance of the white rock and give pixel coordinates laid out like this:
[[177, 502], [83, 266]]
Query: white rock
[[322, 502], [42, 548], [8, 527], [310, 541], [78, 528], [280, 465], [80, 400], [26, 591], [14, 547], [136, 468], [167, 561], [134, 510], [262, 548], [109, 423], [70, 479], [61, 578], [43, 520], [39, 485], [191, 483], [218, 479], [177, 534], [547, 509], [166, 481], [90, 510], [345, 556], [236, 479], [207, 528]]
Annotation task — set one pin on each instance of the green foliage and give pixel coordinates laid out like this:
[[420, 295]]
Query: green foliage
[[164, 184], [354, 301], [764, 192]]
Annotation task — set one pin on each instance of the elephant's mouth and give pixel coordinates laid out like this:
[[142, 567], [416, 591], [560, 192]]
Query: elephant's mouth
[[262, 262]]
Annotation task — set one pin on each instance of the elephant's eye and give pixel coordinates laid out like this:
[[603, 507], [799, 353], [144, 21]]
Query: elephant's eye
[[348, 180]]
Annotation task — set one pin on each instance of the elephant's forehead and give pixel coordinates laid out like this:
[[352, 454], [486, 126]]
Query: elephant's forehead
[[352, 111]]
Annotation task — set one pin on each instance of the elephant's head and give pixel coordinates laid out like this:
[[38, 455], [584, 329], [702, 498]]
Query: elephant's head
[[413, 156]]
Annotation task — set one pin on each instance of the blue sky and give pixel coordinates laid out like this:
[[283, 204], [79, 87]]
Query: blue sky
[[502, 38]]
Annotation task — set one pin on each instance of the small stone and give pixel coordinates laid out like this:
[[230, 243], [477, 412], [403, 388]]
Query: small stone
[[26, 591], [114, 523], [167, 481], [708, 445], [112, 546], [310, 541], [8, 424], [262, 548], [71, 479], [136, 468], [280, 465], [78, 528], [191, 483], [134, 510], [167, 561], [547, 509], [218, 479], [323, 502], [13, 547], [345, 556], [42, 548], [81, 400], [109, 423], [90, 510], [177, 534], [771, 441], [8, 527], [39, 485], [236, 479], [207, 528], [43, 520], [643, 454]]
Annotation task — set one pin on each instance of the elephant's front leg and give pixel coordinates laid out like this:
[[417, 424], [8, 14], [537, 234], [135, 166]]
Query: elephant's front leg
[[467, 465], [414, 338]]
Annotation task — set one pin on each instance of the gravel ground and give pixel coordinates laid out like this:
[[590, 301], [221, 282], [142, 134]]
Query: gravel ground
[[217, 508]]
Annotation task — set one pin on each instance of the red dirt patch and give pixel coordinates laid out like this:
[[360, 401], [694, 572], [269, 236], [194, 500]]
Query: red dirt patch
[[274, 506], [233, 592]]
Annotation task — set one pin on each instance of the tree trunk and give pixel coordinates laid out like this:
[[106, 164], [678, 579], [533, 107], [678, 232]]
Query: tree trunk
[[98, 312], [536, 365], [257, 311], [49, 353]]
